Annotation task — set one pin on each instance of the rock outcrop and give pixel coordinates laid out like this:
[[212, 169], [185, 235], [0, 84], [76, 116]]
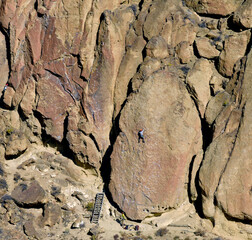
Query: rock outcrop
[[151, 176], [85, 76]]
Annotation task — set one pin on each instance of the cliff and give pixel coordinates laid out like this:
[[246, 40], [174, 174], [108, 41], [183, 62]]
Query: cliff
[[84, 76]]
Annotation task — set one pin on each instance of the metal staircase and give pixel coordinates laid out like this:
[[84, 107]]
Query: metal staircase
[[97, 207]]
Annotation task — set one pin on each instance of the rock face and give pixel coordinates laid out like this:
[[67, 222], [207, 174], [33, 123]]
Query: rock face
[[29, 195], [213, 7], [84, 76], [243, 15], [148, 177], [238, 43]]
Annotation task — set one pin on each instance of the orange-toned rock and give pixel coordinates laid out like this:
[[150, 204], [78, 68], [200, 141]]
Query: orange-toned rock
[[53, 104], [98, 100], [213, 7], [34, 39], [151, 176], [52, 46], [28, 102]]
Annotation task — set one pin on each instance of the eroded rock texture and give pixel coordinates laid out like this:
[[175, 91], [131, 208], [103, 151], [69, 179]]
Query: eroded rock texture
[[151, 176], [85, 76]]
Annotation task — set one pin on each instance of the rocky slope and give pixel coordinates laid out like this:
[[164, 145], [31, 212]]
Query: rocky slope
[[84, 76]]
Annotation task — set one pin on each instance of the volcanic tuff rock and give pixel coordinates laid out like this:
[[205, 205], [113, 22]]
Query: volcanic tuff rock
[[84, 76], [149, 177]]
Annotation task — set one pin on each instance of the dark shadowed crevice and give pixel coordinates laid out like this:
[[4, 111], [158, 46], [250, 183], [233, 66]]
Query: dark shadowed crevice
[[249, 46], [190, 177], [232, 26], [140, 5], [195, 50], [246, 221], [207, 134], [14, 156], [198, 202]]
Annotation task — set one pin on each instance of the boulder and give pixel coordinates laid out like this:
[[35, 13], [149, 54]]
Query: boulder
[[17, 143], [150, 177], [198, 83], [206, 48], [157, 48], [185, 52], [213, 7], [216, 83], [179, 26], [84, 149], [243, 16], [8, 95], [234, 48], [30, 230], [216, 105], [51, 215], [32, 195]]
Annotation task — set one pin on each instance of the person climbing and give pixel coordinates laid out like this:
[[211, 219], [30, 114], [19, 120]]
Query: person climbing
[[5, 87], [141, 136], [123, 218]]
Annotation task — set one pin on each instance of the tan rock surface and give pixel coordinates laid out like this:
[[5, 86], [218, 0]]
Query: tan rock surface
[[84, 76], [143, 180], [206, 48], [98, 100], [213, 7], [243, 15], [234, 48], [236, 201], [185, 52], [216, 105], [198, 80]]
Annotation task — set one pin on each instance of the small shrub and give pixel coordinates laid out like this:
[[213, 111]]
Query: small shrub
[[116, 237], [9, 131], [90, 206], [200, 232], [225, 103], [161, 232]]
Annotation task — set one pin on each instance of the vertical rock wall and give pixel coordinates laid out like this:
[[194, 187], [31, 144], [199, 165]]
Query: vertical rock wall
[[87, 75]]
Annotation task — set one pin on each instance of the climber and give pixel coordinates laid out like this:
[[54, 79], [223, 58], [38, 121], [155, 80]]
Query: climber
[[5, 87], [123, 218], [141, 136]]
